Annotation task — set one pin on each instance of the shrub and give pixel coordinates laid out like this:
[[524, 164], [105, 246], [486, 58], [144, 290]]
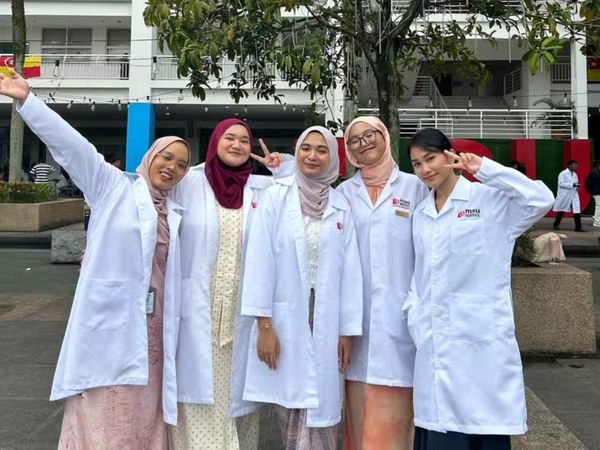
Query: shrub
[[19, 192]]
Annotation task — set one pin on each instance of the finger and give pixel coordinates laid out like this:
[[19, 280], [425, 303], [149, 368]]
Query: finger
[[264, 147], [258, 158]]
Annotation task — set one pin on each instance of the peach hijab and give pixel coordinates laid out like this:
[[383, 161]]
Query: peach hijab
[[159, 197], [376, 175]]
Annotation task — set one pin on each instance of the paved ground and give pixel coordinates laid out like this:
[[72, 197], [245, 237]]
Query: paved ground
[[563, 394]]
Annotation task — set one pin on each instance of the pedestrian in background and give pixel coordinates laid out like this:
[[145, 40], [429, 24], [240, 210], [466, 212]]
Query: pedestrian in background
[[469, 392], [379, 411], [116, 367], [567, 197], [592, 186], [302, 283], [41, 173]]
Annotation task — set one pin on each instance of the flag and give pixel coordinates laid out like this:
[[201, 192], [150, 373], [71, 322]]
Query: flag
[[593, 69], [31, 69]]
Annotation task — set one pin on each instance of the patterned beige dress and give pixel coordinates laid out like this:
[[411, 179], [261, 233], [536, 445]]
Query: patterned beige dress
[[209, 427]]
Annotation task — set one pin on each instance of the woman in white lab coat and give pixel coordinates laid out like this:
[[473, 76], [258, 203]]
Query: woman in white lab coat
[[117, 362], [379, 379], [302, 282], [220, 197], [468, 390]]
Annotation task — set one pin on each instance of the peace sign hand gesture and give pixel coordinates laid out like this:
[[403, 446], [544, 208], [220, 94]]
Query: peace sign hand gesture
[[14, 86], [271, 160], [468, 162]]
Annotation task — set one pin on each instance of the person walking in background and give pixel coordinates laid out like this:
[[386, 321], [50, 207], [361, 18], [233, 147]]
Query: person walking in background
[[592, 185], [41, 172], [114, 160], [469, 392], [567, 197], [378, 407]]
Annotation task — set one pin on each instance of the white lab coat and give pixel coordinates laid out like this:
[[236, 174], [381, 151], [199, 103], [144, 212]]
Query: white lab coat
[[106, 342], [277, 285], [385, 354], [200, 236], [468, 373], [567, 196]]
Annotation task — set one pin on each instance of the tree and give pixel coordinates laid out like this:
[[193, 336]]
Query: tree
[[317, 43], [19, 33]]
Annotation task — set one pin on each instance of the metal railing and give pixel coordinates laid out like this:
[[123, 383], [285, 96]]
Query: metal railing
[[512, 81], [486, 123], [561, 72], [425, 86], [166, 69], [450, 6], [108, 67]]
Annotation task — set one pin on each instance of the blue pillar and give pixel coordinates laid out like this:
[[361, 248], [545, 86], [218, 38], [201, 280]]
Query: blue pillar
[[140, 133]]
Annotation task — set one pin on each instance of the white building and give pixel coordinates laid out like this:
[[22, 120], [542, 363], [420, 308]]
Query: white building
[[98, 58]]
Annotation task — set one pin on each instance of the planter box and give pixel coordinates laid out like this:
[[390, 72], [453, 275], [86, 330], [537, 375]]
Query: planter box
[[40, 216], [554, 309]]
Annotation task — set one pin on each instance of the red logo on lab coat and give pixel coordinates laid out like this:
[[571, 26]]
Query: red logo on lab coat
[[254, 205], [460, 214], [396, 202], [340, 226]]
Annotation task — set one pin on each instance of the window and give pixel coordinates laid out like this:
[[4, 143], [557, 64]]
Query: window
[[118, 41], [67, 41], [6, 48]]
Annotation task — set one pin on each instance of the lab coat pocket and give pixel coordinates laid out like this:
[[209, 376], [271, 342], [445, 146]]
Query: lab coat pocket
[[107, 304], [471, 318], [395, 317], [467, 237]]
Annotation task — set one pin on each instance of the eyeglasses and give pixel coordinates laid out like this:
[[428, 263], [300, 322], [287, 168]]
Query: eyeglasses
[[368, 138]]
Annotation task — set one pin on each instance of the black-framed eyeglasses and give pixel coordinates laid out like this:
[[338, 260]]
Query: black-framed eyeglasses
[[367, 138]]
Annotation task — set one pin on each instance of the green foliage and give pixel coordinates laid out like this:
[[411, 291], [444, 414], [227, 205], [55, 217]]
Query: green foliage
[[18, 192], [564, 117], [317, 44]]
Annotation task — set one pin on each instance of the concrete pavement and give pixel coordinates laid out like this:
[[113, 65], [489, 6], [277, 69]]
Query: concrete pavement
[[563, 394]]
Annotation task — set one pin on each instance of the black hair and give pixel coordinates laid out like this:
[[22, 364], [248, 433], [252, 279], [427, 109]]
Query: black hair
[[431, 140], [571, 162]]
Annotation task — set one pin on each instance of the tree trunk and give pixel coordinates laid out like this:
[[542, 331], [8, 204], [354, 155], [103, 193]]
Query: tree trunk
[[16, 123], [390, 90]]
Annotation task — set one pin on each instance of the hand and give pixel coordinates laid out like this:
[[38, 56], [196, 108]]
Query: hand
[[14, 86], [267, 346], [271, 160], [468, 162], [345, 346]]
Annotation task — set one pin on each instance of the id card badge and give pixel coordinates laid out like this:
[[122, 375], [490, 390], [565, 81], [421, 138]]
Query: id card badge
[[151, 302]]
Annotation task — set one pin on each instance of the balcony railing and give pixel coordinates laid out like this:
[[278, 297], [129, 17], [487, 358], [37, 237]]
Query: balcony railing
[[106, 67], [486, 123], [166, 69], [449, 6], [561, 72]]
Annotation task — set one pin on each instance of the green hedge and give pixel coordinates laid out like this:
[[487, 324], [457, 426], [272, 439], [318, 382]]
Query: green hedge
[[18, 192]]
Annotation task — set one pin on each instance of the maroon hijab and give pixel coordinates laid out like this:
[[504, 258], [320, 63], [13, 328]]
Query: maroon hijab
[[227, 182]]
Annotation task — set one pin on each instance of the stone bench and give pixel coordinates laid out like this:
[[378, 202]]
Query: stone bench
[[554, 309]]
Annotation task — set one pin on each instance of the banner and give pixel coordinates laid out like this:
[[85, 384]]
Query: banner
[[31, 69]]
